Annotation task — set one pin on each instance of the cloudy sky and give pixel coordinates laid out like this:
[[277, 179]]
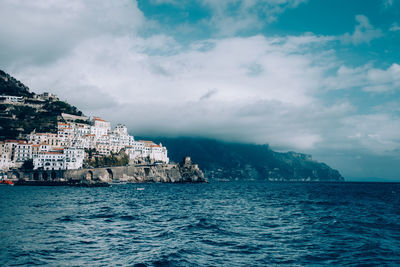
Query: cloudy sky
[[319, 77]]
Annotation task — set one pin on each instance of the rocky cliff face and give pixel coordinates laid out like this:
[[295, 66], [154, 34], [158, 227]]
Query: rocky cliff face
[[190, 172], [221, 160], [184, 172]]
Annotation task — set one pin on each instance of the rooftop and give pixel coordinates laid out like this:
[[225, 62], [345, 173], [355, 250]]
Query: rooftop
[[98, 119], [149, 143]]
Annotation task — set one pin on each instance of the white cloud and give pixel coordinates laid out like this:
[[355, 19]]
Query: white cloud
[[394, 28], [233, 16], [377, 133], [192, 91], [43, 30], [252, 89], [367, 77], [211, 89], [364, 32], [391, 107]]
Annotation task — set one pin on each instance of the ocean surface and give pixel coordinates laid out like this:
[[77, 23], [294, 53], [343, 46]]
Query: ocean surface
[[215, 224]]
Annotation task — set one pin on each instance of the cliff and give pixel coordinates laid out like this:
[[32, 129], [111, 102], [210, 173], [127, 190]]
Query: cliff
[[222, 160], [219, 160], [184, 172]]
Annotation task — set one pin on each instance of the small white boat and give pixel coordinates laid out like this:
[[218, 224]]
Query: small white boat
[[139, 188]]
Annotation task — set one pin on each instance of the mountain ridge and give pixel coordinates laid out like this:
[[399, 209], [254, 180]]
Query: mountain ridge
[[220, 160], [227, 160]]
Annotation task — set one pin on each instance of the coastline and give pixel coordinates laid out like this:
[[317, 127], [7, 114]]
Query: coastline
[[183, 172]]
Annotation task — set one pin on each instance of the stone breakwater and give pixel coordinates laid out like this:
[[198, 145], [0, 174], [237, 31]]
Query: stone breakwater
[[184, 172]]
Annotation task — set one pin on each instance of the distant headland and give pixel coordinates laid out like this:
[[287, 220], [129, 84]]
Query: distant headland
[[44, 138]]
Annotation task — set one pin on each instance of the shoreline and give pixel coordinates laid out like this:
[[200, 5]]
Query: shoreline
[[183, 172]]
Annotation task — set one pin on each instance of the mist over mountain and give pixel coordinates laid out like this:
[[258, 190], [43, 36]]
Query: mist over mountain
[[219, 160], [222, 160]]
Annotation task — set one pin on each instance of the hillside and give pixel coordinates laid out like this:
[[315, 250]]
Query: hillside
[[11, 86], [222, 160], [30, 112], [219, 160]]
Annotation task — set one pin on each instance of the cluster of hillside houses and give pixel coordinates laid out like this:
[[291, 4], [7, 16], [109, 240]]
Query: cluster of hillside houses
[[68, 148]]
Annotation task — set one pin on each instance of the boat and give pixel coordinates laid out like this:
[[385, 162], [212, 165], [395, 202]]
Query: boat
[[6, 182], [117, 182], [140, 188]]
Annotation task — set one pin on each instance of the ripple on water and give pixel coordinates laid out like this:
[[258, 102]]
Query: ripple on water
[[66, 218], [215, 224]]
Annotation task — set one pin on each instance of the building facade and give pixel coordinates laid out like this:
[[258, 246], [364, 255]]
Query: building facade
[[65, 149]]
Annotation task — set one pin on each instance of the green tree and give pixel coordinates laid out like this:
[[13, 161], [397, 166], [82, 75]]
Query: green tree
[[27, 165]]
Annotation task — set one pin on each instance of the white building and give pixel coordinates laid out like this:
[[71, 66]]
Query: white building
[[5, 162], [13, 153], [148, 150], [65, 149], [12, 99], [37, 138], [82, 129], [47, 96], [23, 152], [73, 158], [51, 139], [5, 157], [120, 129], [70, 117], [51, 160], [67, 159], [9, 148], [100, 127], [90, 141], [103, 145]]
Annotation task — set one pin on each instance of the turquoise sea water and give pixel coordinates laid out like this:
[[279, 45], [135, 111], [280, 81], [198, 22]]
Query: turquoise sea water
[[215, 224]]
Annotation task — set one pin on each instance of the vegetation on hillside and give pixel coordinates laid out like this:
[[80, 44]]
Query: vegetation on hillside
[[218, 159], [58, 107], [247, 161], [95, 161], [11, 86], [17, 120]]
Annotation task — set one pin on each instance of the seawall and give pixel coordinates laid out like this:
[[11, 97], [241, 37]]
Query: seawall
[[184, 172]]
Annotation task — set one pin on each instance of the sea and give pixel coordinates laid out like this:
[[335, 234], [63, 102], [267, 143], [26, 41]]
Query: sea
[[215, 224]]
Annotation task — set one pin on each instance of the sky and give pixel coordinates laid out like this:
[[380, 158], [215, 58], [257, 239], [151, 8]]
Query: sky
[[320, 77]]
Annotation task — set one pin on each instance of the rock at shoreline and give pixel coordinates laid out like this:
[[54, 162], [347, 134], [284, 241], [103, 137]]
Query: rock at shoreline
[[184, 172], [237, 161], [190, 172]]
